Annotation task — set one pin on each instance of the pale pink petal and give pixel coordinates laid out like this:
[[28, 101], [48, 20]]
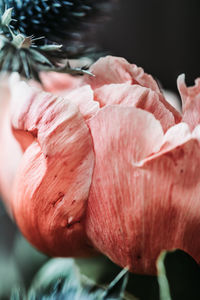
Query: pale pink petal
[[83, 97], [177, 135], [57, 82], [191, 101], [141, 97], [10, 153], [135, 211], [196, 133], [53, 181], [112, 69]]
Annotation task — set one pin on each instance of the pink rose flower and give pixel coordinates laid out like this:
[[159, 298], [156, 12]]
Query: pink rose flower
[[105, 164]]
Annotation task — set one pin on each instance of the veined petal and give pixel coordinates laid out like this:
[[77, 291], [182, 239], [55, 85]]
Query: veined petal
[[53, 181], [135, 211], [141, 97], [121, 138], [176, 136], [112, 69]]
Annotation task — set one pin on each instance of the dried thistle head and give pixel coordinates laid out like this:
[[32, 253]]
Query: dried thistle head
[[20, 53], [32, 32], [66, 22]]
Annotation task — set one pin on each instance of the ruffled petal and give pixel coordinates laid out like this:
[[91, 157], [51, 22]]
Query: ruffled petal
[[191, 101], [136, 209], [112, 69], [171, 204], [141, 97], [53, 181]]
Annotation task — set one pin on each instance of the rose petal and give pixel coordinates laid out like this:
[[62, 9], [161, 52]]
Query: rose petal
[[141, 97], [130, 205], [53, 181]]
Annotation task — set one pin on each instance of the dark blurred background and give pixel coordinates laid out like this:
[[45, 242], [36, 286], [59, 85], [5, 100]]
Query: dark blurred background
[[160, 36]]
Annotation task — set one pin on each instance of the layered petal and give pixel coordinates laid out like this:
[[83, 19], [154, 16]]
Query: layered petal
[[145, 194], [141, 97], [118, 82], [53, 180], [112, 69], [103, 163], [111, 203], [83, 97]]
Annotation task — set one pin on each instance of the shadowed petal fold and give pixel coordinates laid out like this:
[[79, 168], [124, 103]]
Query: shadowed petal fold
[[54, 177], [141, 97]]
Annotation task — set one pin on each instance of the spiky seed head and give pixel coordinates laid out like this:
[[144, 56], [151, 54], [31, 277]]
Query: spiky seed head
[[65, 22]]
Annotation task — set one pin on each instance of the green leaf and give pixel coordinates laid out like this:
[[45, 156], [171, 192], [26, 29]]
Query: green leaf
[[162, 278]]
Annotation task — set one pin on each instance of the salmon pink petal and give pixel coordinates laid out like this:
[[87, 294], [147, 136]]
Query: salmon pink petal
[[130, 204], [191, 101], [121, 139], [112, 69], [53, 181], [172, 193], [56, 82], [141, 97]]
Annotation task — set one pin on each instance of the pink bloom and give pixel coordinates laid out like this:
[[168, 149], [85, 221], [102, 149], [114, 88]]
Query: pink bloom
[[107, 164]]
